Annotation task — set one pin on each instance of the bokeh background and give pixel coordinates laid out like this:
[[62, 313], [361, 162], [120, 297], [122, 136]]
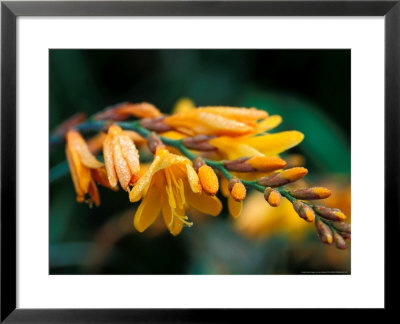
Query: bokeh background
[[310, 89]]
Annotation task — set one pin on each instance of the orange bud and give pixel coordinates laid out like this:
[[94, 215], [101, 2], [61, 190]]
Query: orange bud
[[266, 163], [283, 178], [208, 180], [238, 191], [333, 214], [272, 196], [232, 182], [304, 211], [324, 232], [311, 193]]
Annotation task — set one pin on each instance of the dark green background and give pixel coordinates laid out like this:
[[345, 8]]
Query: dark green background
[[310, 89]]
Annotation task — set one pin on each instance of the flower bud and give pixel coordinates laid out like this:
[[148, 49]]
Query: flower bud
[[197, 163], [332, 214], [342, 227], [199, 143], [257, 163], [284, 177], [208, 180], [155, 124], [311, 193], [272, 196], [346, 236], [232, 182], [324, 232], [238, 191], [266, 163], [153, 142], [304, 211], [339, 241]]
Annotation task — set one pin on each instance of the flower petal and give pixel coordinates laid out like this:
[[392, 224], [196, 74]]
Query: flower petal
[[148, 210], [109, 161], [210, 205], [121, 166], [131, 155], [271, 144], [173, 223], [76, 141], [268, 123], [233, 148], [235, 207]]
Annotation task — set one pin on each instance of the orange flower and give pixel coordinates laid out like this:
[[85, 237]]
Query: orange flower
[[229, 121], [170, 186], [85, 168], [121, 158]]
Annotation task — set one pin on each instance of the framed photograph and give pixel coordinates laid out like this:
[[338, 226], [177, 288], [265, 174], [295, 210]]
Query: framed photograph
[[189, 161]]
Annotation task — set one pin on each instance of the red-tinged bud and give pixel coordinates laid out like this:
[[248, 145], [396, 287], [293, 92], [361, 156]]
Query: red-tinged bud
[[283, 178], [311, 193], [239, 165], [154, 142], [155, 124], [332, 214], [69, 123], [324, 232], [199, 143], [339, 241], [342, 227], [304, 211], [273, 197], [346, 236], [197, 163]]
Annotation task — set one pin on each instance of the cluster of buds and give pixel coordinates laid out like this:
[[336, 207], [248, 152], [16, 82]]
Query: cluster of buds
[[329, 222]]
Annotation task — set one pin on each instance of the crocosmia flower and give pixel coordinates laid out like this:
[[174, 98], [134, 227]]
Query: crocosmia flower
[[170, 186], [84, 167], [121, 158]]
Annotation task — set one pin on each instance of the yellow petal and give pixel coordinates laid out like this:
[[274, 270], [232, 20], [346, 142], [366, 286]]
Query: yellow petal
[[183, 105], [268, 123], [193, 178], [142, 184], [233, 148], [272, 144], [130, 154], [148, 210], [121, 166], [109, 161], [235, 207], [76, 141], [210, 205], [236, 113], [193, 122]]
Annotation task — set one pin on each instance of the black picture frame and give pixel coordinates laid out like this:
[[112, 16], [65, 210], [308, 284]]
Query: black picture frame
[[10, 10]]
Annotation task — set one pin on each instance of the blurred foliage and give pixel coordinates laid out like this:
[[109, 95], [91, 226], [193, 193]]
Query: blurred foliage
[[310, 89]]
